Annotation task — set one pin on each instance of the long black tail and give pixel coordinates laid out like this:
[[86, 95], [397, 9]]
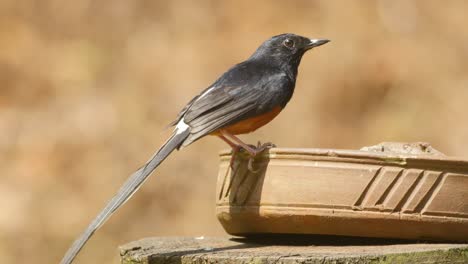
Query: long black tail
[[125, 192]]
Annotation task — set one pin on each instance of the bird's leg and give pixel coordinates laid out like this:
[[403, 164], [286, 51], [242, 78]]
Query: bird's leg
[[225, 139], [252, 150]]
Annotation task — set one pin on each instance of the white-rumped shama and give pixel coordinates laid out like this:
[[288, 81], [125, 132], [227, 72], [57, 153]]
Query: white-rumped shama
[[246, 97]]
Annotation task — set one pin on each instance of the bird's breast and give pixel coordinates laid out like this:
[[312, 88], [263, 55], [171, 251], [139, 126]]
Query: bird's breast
[[252, 123]]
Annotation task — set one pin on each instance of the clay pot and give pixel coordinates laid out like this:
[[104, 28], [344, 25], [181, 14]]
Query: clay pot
[[392, 190]]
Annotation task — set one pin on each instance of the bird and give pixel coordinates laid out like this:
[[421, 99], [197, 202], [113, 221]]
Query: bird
[[244, 98]]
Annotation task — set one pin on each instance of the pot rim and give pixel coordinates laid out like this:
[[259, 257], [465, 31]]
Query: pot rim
[[362, 156]]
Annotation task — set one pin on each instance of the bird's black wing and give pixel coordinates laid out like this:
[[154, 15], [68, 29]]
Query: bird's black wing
[[220, 92], [188, 105], [226, 105]]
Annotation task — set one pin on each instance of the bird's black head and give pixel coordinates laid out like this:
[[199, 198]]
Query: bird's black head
[[286, 49]]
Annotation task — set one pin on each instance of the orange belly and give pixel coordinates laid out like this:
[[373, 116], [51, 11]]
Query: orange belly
[[251, 124]]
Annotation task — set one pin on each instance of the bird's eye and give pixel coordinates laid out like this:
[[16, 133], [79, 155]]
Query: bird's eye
[[288, 43]]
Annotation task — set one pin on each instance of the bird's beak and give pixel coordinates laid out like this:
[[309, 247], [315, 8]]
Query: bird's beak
[[316, 42]]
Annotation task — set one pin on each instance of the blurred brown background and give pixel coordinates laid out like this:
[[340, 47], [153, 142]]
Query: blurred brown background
[[87, 87]]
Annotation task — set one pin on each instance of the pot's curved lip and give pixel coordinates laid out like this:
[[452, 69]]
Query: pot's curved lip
[[363, 156]]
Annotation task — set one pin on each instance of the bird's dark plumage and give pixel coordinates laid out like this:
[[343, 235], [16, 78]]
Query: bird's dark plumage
[[244, 98], [254, 87]]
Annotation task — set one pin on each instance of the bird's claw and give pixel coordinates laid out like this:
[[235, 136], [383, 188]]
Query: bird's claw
[[258, 149], [261, 147]]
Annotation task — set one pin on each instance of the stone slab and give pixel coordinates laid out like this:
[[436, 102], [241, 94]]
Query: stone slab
[[289, 249]]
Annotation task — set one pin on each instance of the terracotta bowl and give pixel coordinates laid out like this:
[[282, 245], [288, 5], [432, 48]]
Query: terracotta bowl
[[393, 190]]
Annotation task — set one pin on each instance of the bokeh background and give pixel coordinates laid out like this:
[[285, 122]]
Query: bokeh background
[[87, 88]]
